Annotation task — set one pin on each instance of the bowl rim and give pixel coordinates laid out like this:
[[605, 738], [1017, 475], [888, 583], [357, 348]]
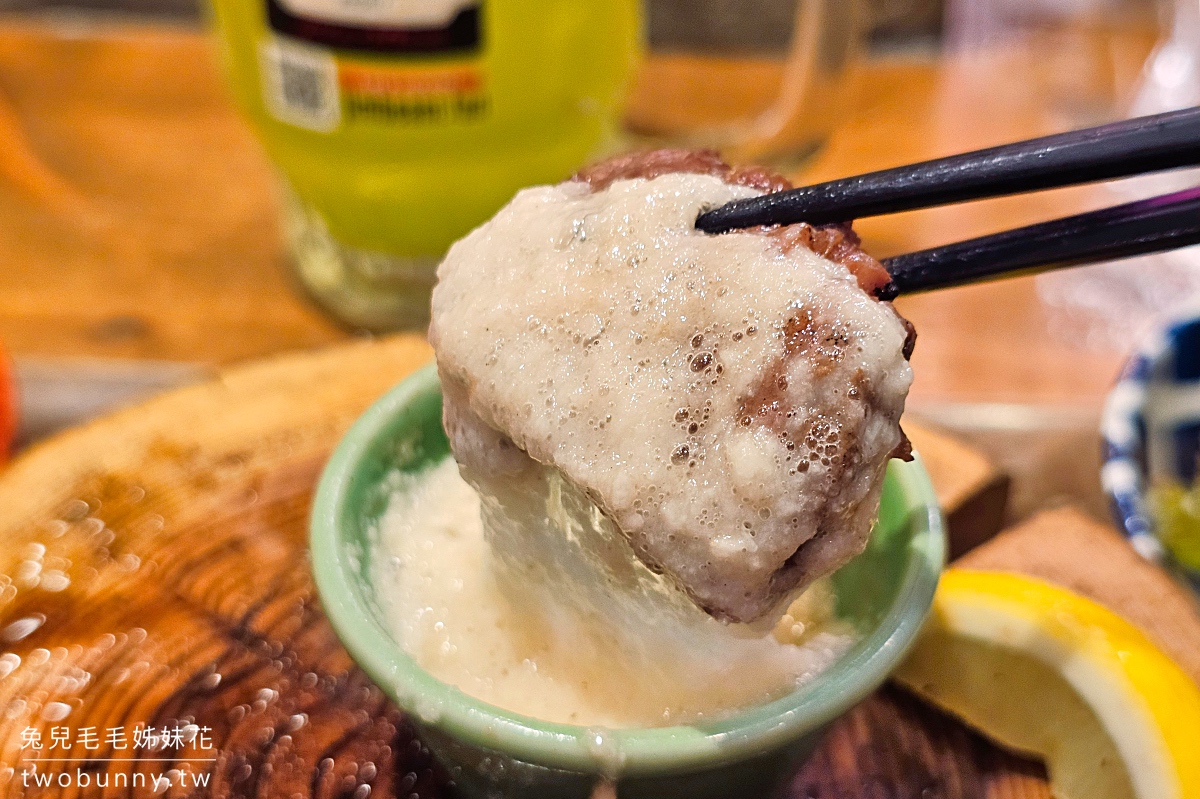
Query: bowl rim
[[1122, 434], [642, 751], [1122, 441]]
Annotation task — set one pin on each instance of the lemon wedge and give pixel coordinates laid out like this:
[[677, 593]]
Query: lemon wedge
[[1045, 672]]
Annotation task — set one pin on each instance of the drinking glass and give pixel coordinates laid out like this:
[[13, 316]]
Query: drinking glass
[[760, 80]]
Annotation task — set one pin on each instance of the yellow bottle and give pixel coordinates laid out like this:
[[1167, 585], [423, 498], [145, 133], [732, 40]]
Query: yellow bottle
[[399, 125]]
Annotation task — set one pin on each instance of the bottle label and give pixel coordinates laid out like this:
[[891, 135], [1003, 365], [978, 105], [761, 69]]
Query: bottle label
[[409, 26], [312, 78]]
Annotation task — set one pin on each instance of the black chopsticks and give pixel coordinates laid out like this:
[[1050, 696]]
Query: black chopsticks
[[1132, 147], [1139, 228], [1135, 146]]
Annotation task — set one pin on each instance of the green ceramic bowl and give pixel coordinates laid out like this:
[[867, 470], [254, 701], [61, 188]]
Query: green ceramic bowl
[[885, 593]]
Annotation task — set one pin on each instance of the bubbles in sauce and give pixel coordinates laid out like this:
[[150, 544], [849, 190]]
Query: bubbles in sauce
[[724, 401], [561, 637]]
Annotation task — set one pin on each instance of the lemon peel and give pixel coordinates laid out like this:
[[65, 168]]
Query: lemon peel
[[1046, 672]]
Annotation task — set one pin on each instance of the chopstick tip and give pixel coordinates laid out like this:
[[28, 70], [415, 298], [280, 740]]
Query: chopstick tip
[[709, 221], [887, 292]]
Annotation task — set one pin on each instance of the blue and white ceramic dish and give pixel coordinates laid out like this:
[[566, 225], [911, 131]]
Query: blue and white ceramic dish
[[1151, 434]]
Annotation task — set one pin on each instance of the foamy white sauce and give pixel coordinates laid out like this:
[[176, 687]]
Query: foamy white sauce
[[608, 338], [448, 606]]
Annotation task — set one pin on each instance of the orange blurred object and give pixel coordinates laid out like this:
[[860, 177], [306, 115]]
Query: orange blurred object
[[8, 406]]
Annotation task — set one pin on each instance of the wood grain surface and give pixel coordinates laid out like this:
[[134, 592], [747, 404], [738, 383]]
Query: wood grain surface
[[154, 572], [137, 217]]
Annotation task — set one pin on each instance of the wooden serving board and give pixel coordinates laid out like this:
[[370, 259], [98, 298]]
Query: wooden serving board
[[154, 574]]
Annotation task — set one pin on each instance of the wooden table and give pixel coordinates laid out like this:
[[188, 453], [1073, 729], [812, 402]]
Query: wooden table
[[153, 573], [137, 218], [137, 222]]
